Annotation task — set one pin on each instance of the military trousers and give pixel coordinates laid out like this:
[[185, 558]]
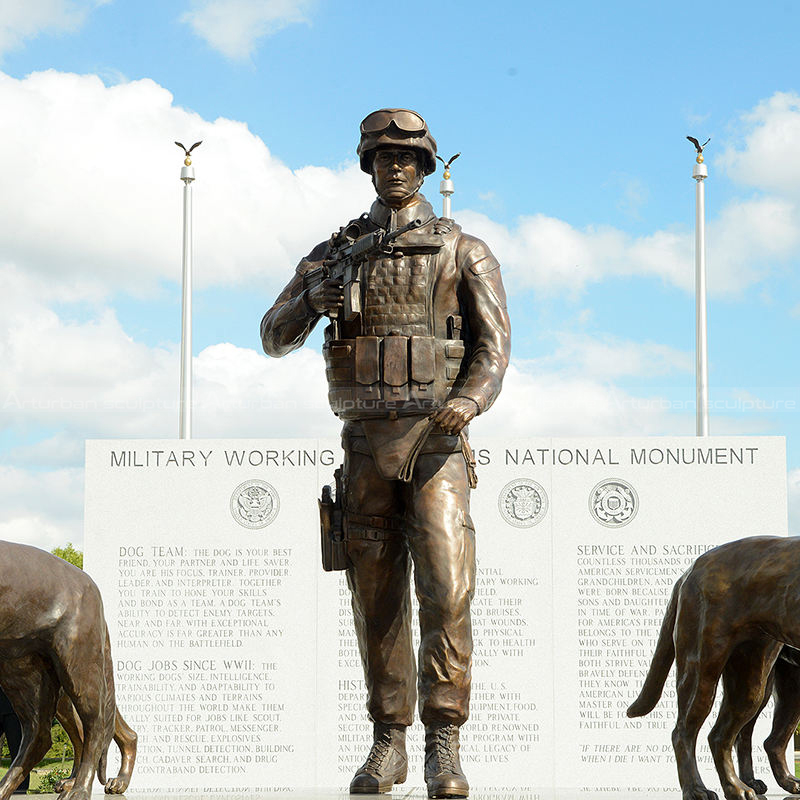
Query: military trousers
[[437, 539]]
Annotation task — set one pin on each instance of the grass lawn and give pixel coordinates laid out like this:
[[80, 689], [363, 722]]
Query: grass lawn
[[38, 772]]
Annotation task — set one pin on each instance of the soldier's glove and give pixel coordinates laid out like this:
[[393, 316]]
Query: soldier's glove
[[326, 297], [455, 414]]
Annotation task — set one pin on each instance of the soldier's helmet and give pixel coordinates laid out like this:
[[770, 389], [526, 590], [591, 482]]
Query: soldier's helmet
[[396, 127]]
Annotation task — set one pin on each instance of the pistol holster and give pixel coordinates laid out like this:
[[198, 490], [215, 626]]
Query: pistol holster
[[334, 549]]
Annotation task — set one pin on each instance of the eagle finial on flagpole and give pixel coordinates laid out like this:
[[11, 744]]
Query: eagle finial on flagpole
[[699, 147], [188, 160]]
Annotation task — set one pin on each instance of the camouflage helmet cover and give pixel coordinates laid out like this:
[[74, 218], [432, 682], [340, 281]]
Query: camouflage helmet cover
[[396, 127]]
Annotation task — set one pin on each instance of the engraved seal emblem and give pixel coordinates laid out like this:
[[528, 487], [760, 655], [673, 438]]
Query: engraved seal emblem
[[613, 503], [523, 503], [254, 503]]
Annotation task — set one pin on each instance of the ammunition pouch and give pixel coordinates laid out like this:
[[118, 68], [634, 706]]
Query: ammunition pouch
[[370, 376]]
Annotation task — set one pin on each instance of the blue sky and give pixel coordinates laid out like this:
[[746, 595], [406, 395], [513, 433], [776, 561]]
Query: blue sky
[[571, 120]]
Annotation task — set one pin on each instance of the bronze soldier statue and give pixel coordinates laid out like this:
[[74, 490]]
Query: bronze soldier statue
[[417, 346]]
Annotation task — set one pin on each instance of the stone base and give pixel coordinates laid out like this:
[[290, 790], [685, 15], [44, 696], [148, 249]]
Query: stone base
[[413, 793]]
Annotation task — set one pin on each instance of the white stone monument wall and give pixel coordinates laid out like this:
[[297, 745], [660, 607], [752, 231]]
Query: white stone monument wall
[[235, 655]]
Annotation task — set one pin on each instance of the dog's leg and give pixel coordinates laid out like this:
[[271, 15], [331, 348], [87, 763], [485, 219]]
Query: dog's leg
[[71, 723], [784, 723], [699, 660], [79, 654], [744, 679], [126, 740], [87, 693], [32, 688], [124, 736], [744, 744]]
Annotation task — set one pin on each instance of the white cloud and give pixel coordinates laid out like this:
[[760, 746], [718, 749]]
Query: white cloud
[[24, 19], [745, 239], [60, 450], [574, 391], [768, 157], [751, 236], [552, 403], [546, 253], [97, 207], [243, 393], [605, 357], [91, 378], [234, 27], [97, 198], [62, 374], [41, 508]]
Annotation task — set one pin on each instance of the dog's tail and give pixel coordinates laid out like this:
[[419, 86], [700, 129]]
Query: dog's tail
[[662, 660]]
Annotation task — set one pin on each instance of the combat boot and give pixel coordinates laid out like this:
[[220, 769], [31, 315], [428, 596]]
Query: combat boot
[[443, 772], [386, 764]]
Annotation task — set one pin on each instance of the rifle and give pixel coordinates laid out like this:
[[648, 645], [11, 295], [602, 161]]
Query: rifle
[[345, 261]]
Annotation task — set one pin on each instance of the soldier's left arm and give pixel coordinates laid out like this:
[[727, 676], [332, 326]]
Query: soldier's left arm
[[490, 331], [481, 287]]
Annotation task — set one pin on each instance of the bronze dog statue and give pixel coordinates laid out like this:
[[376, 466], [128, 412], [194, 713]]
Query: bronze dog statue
[[729, 617], [53, 638]]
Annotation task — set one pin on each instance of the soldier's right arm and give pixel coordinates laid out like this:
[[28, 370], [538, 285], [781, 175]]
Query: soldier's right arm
[[290, 320]]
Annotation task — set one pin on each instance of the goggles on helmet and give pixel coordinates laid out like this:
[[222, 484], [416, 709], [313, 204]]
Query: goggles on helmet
[[402, 119]]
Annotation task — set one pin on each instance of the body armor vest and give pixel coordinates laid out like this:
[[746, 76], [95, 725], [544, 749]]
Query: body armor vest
[[396, 295], [393, 360]]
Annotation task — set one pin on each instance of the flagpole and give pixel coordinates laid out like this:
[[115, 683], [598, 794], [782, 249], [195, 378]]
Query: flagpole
[[700, 173], [187, 176], [446, 188]]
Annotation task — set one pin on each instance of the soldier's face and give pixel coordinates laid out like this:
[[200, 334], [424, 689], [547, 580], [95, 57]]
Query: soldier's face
[[396, 175]]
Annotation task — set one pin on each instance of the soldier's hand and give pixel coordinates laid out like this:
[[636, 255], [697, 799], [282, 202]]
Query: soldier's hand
[[326, 297], [455, 414]]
